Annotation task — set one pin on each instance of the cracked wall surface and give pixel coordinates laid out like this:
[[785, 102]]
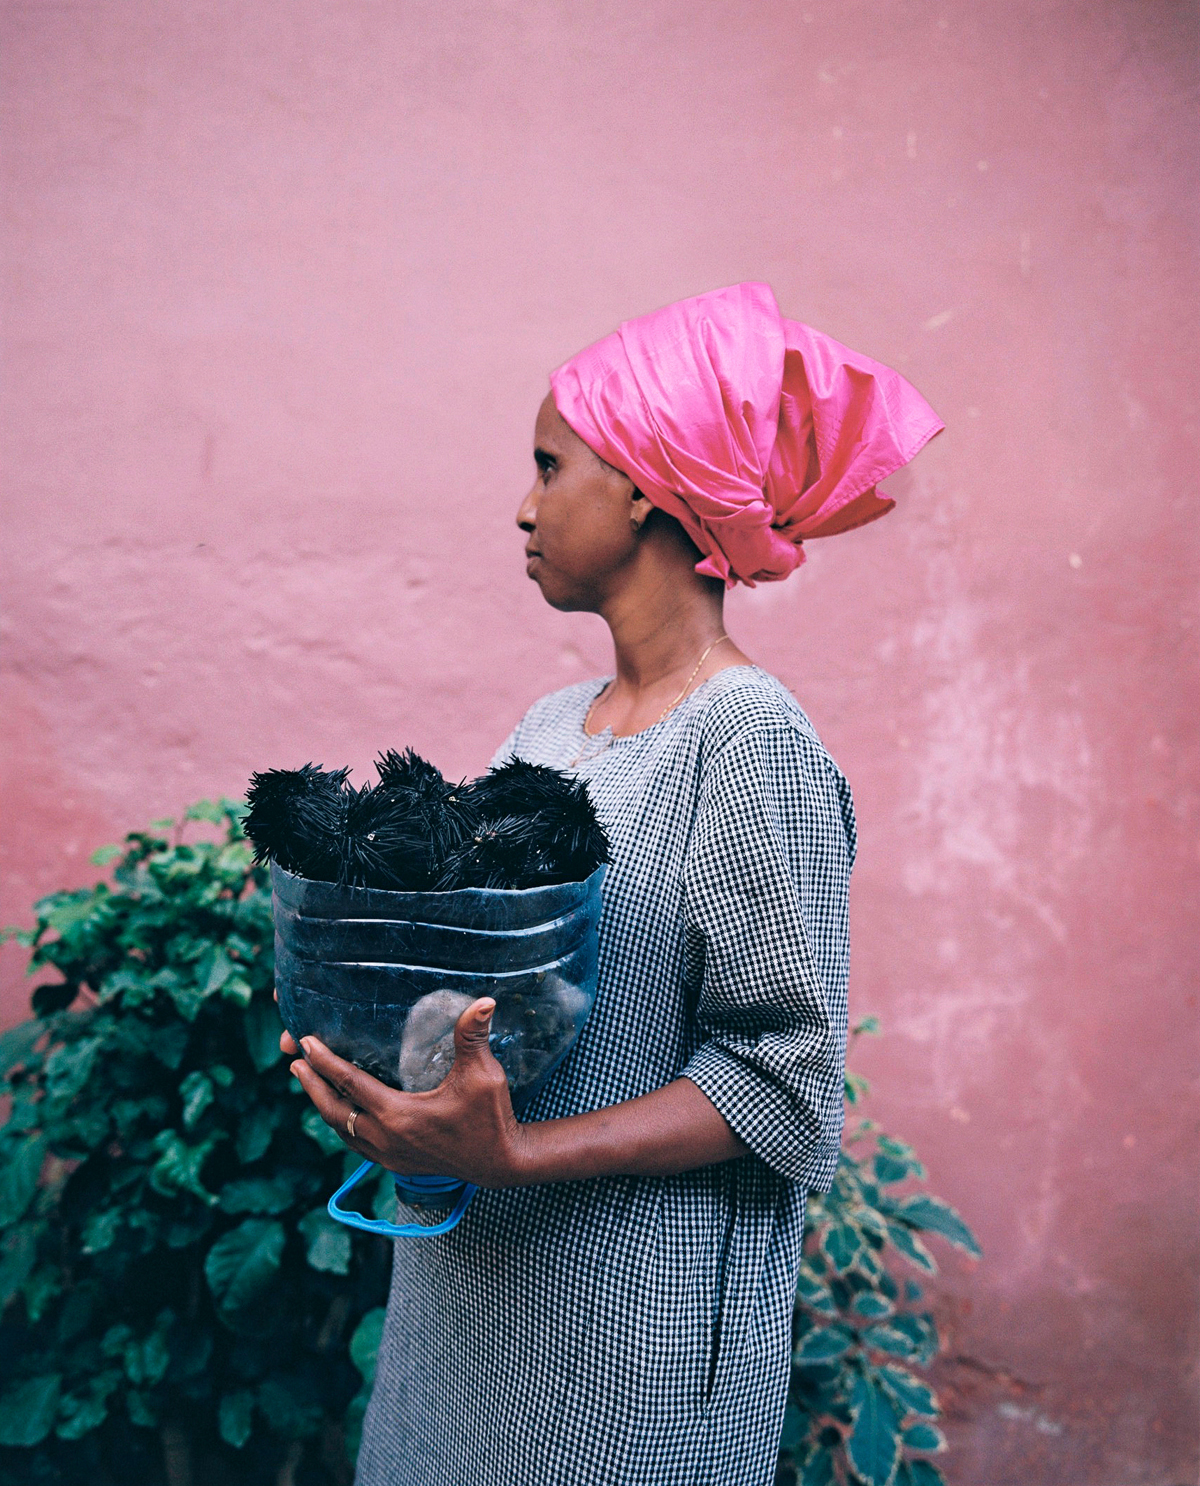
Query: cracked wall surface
[[285, 283]]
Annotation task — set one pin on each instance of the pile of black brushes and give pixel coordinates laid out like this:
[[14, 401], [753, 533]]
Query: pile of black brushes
[[521, 825]]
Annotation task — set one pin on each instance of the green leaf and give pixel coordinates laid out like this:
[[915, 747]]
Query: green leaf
[[179, 1165], [327, 1244], [841, 1244], [146, 1360], [18, 1255], [69, 1067], [19, 1179], [924, 1437], [289, 1406], [920, 1473], [911, 1247], [818, 1469], [42, 1286], [27, 1411], [795, 1428], [823, 1344], [870, 1304], [932, 1215], [206, 810], [197, 1093], [890, 1339], [316, 1129], [235, 1417], [17, 1044], [141, 1410], [914, 1396], [873, 1445], [243, 1263], [263, 1028], [80, 1413], [813, 1292], [170, 1044], [255, 1130], [364, 1344], [105, 854], [258, 1194]]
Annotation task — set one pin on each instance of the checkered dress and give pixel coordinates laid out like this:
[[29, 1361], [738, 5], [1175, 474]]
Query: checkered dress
[[635, 1331]]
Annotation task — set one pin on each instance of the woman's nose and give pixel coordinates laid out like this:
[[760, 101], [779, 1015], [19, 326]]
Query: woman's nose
[[527, 514]]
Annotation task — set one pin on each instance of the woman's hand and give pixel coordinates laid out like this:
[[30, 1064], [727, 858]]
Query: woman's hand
[[464, 1128]]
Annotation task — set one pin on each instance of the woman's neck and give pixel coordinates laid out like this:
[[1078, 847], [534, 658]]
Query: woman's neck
[[661, 623]]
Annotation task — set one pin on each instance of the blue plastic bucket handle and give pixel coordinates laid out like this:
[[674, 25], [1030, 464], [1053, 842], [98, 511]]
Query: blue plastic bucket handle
[[418, 1188]]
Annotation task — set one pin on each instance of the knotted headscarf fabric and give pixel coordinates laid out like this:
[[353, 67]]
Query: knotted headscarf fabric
[[755, 432]]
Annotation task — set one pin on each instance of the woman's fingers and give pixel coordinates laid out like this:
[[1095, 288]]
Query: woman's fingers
[[289, 1045], [352, 1083], [334, 1110]]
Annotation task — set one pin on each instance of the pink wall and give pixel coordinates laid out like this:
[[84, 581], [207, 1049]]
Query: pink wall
[[286, 279]]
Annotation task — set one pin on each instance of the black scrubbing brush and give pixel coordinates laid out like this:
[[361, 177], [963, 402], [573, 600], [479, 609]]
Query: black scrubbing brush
[[297, 817]]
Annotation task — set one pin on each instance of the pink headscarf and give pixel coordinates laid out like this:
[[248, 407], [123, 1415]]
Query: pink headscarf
[[755, 432]]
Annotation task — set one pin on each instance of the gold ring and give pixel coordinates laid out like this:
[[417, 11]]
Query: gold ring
[[350, 1121]]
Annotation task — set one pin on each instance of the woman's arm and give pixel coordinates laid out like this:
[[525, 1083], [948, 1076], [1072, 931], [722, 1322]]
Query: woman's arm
[[466, 1127]]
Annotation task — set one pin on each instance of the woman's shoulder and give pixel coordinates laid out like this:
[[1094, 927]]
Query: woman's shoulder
[[557, 709], [741, 701]]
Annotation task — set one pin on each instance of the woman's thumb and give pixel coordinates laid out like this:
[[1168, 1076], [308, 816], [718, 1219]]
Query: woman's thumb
[[472, 1028]]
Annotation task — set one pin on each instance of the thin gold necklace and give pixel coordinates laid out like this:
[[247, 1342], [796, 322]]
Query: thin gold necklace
[[670, 707]]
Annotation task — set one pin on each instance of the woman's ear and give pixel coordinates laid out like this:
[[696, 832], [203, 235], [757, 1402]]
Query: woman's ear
[[639, 510]]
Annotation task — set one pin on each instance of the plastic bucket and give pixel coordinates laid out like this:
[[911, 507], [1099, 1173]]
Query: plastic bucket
[[381, 978]]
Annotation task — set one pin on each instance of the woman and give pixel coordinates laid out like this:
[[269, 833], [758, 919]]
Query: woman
[[615, 1308]]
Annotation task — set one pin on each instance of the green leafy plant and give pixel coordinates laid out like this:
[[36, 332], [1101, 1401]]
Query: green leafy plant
[[177, 1305], [857, 1413]]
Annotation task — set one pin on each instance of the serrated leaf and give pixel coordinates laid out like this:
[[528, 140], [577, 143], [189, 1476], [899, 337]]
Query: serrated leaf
[[925, 1437], [823, 1344], [873, 1444], [146, 1358], [257, 1194], [80, 1413], [364, 1344], [932, 1215], [27, 1411], [327, 1244], [69, 1067], [235, 1417], [914, 1396], [244, 1262], [19, 1179]]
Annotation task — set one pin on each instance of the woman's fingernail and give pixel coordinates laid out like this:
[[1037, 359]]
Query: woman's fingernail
[[296, 1067], [306, 1044]]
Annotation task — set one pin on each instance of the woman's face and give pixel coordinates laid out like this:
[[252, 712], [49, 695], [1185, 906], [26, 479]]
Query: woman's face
[[578, 515]]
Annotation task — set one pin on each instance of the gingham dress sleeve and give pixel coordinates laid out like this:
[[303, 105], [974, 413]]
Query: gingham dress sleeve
[[769, 855]]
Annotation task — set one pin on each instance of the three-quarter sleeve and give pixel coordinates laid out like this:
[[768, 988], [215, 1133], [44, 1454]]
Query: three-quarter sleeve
[[766, 876]]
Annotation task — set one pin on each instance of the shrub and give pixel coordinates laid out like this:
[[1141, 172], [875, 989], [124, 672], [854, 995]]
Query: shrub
[[176, 1305], [856, 1412]]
